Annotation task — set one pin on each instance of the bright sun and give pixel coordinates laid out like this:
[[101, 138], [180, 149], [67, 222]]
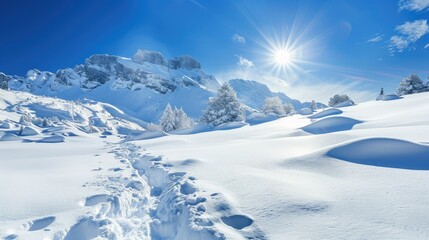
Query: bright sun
[[283, 57]]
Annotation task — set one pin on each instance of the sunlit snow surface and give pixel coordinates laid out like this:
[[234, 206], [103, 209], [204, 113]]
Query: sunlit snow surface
[[361, 175], [356, 172]]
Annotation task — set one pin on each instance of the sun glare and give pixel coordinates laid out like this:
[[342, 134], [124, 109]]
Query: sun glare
[[283, 57], [288, 51]]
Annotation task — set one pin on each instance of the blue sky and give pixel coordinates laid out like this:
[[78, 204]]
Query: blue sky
[[339, 46]]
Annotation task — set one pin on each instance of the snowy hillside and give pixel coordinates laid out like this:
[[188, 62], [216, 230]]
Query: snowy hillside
[[253, 94], [356, 172], [68, 171], [141, 86]]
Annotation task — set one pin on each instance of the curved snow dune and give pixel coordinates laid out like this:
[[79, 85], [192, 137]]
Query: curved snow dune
[[332, 124], [384, 152], [325, 113]]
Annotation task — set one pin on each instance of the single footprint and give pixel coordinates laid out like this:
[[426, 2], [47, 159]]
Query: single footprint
[[96, 199], [11, 237], [237, 221], [187, 189], [41, 223]]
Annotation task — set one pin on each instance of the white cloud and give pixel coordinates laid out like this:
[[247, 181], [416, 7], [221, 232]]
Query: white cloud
[[413, 5], [244, 62], [414, 30], [398, 43], [427, 46], [408, 33], [239, 39], [377, 38]]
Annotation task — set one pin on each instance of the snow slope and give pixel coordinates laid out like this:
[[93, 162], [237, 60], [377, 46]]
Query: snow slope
[[365, 181], [53, 167], [253, 94], [84, 173], [66, 173]]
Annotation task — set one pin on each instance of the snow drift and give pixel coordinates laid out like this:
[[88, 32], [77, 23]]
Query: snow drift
[[331, 124], [384, 152]]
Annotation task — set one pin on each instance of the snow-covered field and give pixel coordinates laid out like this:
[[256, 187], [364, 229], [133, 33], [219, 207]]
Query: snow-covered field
[[356, 172], [359, 173]]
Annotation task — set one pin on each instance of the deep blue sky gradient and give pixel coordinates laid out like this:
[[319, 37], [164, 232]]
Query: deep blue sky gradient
[[49, 35]]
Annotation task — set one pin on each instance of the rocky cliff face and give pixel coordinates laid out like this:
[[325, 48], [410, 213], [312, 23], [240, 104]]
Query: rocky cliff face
[[147, 69]]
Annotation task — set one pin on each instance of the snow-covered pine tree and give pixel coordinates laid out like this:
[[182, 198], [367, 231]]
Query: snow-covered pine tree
[[336, 99], [181, 119], [224, 107], [410, 85], [288, 108], [274, 105], [167, 121]]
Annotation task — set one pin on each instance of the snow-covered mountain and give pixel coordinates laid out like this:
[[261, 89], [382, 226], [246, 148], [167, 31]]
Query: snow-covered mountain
[[141, 86], [147, 69], [253, 93]]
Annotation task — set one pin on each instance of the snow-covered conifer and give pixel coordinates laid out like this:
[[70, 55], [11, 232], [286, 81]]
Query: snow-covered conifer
[[175, 119], [182, 121], [224, 107], [274, 105], [288, 108], [410, 85], [336, 99], [167, 121]]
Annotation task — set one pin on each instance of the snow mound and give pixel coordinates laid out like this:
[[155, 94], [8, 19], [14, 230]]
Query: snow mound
[[388, 97], [332, 124], [258, 118], [29, 131], [305, 111], [199, 128], [384, 152], [325, 113], [85, 229], [53, 139], [141, 135], [347, 103], [10, 137]]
